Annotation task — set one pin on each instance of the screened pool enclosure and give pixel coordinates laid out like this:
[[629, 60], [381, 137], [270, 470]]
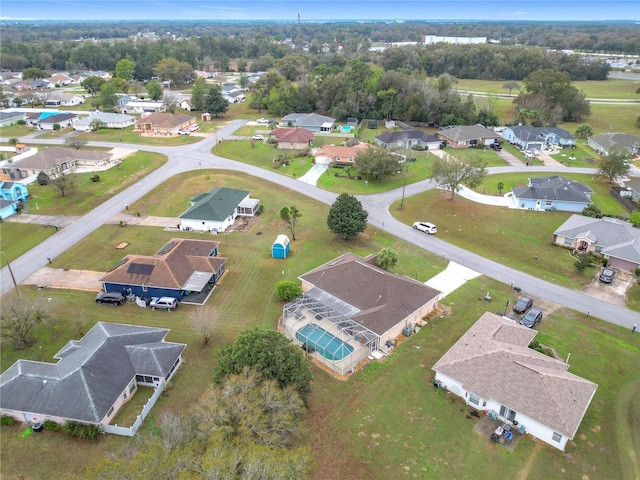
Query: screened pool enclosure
[[331, 338]]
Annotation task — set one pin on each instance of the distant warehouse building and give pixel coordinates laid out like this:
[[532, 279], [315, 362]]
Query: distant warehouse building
[[431, 39]]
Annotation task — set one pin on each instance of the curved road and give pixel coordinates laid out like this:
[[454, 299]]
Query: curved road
[[198, 155]]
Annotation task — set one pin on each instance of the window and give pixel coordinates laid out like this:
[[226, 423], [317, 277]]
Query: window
[[507, 413], [110, 412], [125, 395], [474, 399], [132, 387], [568, 241], [556, 437]]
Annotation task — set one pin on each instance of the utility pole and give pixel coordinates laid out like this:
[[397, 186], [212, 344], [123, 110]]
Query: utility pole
[[15, 284], [405, 169]]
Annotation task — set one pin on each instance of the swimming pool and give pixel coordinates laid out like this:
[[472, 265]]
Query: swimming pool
[[346, 129], [326, 344]]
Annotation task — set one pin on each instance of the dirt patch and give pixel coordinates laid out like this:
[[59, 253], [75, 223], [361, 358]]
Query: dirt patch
[[242, 224]]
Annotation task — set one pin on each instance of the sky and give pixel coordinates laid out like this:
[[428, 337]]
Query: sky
[[314, 10]]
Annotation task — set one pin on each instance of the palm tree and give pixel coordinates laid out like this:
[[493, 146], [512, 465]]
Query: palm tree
[[500, 187]]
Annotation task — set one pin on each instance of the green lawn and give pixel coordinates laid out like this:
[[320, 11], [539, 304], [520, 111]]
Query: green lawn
[[18, 238], [87, 195], [127, 135]]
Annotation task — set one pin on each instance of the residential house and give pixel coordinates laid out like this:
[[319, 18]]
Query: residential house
[[633, 190], [60, 80], [98, 73], [492, 368], [164, 124], [40, 84], [185, 269], [8, 208], [218, 209], [408, 138], [465, 136], [606, 142], [53, 161], [34, 117], [338, 155], [106, 120], [351, 308], [142, 107], [616, 240], [62, 119], [431, 39], [122, 99], [186, 105], [14, 191], [93, 378], [310, 121], [529, 137], [11, 118], [63, 100], [293, 138], [233, 94], [552, 193]]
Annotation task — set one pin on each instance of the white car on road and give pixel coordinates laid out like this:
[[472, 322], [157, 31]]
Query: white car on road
[[262, 120], [426, 227], [257, 137]]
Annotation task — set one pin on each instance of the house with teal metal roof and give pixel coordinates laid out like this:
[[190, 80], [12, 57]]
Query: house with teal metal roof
[[217, 210]]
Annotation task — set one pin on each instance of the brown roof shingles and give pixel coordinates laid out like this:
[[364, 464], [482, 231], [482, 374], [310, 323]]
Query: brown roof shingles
[[166, 120], [492, 360]]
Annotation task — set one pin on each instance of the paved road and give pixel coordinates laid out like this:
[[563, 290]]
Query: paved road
[[198, 155]]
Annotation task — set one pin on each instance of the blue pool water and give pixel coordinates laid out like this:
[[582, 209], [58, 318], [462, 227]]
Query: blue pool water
[[326, 344], [346, 128]]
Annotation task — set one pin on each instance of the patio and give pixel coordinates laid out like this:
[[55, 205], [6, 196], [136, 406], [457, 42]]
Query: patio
[[486, 426]]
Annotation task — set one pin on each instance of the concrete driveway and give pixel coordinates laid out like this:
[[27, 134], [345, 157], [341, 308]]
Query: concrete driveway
[[48, 277], [312, 176], [614, 292]]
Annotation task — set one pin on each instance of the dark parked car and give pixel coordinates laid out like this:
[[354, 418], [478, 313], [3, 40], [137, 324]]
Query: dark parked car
[[532, 318], [495, 146], [113, 298], [607, 275], [522, 305]]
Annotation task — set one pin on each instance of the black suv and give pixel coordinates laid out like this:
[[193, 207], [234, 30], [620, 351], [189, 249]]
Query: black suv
[[495, 146], [113, 298]]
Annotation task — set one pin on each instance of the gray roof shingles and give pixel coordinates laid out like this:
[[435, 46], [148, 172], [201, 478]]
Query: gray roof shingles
[[554, 188]]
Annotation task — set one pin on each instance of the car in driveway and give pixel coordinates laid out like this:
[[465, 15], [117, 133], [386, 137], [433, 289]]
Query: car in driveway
[[184, 132], [532, 318], [110, 298], [496, 147], [607, 275], [426, 227], [522, 304], [257, 137], [164, 303], [194, 128], [262, 120]]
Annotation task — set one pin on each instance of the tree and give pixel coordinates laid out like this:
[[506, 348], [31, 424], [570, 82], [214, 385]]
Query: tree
[[92, 85], [387, 258], [556, 89], [198, 93], [288, 290], [170, 101], [74, 142], [511, 85], [214, 102], [376, 162], [452, 172], [346, 217], [13, 141], [108, 98], [204, 321], [125, 69], [33, 73], [614, 165], [19, 316], [291, 215], [584, 131], [96, 124], [583, 261], [591, 211], [500, 187], [271, 354], [154, 89], [63, 181], [174, 71]]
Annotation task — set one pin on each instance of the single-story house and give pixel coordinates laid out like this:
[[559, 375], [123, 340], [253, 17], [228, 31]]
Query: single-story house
[[552, 193], [181, 268], [141, 106], [338, 155], [217, 210], [606, 142], [93, 378], [408, 138], [350, 309], [40, 84], [8, 208], [617, 240], [233, 94], [14, 191], [11, 118], [633, 190], [63, 100], [538, 138], [492, 367], [293, 138], [465, 136], [60, 79], [107, 120], [62, 119], [164, 124], [52, 161], [123, 98], [34, 117], [310, 121], [186, 105]]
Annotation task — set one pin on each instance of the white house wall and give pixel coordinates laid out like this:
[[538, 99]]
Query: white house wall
[[205, 225]]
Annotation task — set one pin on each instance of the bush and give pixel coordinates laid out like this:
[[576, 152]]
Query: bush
[[287, 290], [583, 261], [56, 127], [52, 426], [7, 420], [82, 430], [259, 209], [21, 122], [637, 272], [605, 261], [95, 178], [43, 179], [592, 211]]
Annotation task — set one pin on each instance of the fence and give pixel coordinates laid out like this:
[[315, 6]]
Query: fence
[[133, 429], [626, 202]]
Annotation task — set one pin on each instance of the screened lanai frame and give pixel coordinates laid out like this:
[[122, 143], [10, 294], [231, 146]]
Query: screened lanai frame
[[305, 311]]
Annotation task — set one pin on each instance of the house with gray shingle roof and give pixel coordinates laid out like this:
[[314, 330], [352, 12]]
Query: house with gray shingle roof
[[106, 120], [62, 119], [408, 138], [94, 376], [310, 121], [351, 309], [59, 99], [617, 240], [217, 210], [552, 193], [606, 142], [492, 368], [182, 267], [11, 118], [530, 137], [465, 136]]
